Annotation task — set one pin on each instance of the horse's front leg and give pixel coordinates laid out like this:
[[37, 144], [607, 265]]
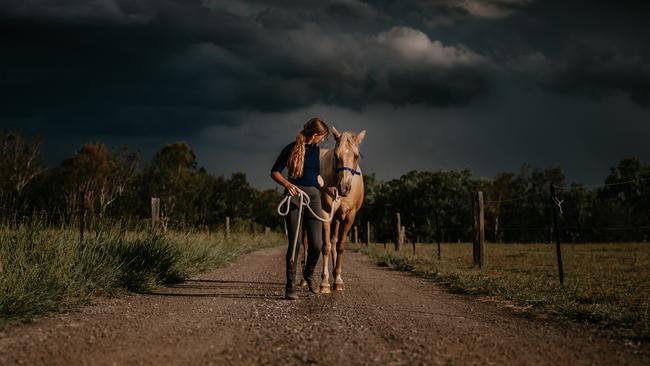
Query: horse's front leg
[[334, 239], [327, 248], [340, 249]]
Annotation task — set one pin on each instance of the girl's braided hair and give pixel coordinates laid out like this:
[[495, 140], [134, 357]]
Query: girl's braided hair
[[314, 126]]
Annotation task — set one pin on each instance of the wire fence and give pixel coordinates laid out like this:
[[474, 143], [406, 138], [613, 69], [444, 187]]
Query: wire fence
[[610, 212], [84, 219], [506, 215]]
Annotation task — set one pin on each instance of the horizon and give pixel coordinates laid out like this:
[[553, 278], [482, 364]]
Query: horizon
[[144, 159]]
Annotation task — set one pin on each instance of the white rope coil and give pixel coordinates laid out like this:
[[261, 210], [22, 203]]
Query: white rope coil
[[304, 201]]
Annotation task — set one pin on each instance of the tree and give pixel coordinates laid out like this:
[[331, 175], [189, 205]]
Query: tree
[[625, 201], [499, 190], [123, 165], [265, 206], [418, 196], [577, 210], [99, 174], [20, 163], [239, 197], [171, 176]]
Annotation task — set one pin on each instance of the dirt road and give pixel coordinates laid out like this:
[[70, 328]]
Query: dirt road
[[236, 315]]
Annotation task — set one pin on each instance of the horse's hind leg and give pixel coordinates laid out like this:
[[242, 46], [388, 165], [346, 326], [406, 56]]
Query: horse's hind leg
[[327, 248]]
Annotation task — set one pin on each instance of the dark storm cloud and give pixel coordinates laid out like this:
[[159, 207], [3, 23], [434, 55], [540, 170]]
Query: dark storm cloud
[[83, 66], [351, 8], [164, 67], [601, 72], [604, 54], [592, 49], [589, 48], [447, 13], [223, 73]]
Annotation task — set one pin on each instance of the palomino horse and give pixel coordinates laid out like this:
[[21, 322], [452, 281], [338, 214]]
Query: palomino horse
[[342, 176]]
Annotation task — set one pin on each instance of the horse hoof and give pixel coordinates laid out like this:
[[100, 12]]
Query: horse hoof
[[303, 283], [325, 289], [338, 287]]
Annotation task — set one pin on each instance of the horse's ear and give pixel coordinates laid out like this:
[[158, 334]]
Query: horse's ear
[[360, 136], [336, 133]]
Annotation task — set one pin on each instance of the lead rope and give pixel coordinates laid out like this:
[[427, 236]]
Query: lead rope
[[304, 201]]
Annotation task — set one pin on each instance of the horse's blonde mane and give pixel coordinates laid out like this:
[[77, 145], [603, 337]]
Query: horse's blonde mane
[[349, 138]]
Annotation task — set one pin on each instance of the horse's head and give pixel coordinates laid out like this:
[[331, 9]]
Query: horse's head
[[346, 155]]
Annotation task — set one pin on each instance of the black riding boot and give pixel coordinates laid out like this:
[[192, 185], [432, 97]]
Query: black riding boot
[[308, 277], [290, 291]]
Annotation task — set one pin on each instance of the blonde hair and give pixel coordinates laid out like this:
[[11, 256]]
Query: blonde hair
[[314, 126]]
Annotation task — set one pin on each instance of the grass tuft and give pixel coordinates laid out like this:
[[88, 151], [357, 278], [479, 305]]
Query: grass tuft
[[45, 270]]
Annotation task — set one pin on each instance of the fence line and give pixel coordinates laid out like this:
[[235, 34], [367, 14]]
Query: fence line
[[603, 185], [553, 228], [520, 198]]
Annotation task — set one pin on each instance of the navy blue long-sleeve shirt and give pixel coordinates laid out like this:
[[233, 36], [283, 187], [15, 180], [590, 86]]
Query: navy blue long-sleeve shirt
[[311, 168]]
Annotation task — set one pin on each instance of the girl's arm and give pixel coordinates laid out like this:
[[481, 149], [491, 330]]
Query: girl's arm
[[277, 176]]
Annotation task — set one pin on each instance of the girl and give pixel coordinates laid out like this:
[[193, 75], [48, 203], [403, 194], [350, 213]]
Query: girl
[[302, 160]]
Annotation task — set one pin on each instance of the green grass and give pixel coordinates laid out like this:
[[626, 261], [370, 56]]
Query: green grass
[[604, 284], [46, 270]]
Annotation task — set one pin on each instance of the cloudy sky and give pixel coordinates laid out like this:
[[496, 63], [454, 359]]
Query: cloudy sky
[[437, 84]]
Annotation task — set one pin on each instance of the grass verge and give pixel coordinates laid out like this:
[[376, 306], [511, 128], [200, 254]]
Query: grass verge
[[46, 270], [607, 285]]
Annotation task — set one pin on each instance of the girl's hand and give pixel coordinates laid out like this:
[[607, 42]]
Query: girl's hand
[[293, 190], [321, 182]]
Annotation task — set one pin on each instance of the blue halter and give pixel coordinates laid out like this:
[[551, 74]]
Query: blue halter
[[354, 172]]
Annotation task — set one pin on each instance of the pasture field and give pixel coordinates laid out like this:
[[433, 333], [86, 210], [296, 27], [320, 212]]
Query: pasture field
[[46, 270], [604, 284]]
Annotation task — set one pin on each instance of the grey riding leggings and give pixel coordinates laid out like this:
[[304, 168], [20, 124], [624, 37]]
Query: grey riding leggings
[[312, 226]]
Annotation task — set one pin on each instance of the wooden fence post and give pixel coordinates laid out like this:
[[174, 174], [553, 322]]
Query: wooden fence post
[[356, 234], [227, 227], [413, 237], [438, 233], [481, 228], [402, 236], [479, 231], [398, 233], [155, 211], [267, 230], [367, 233], [558, 251], [475, 239]]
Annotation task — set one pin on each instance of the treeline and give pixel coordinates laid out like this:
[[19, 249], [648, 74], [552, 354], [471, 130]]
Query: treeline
[[116, 184], [517, 205]]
